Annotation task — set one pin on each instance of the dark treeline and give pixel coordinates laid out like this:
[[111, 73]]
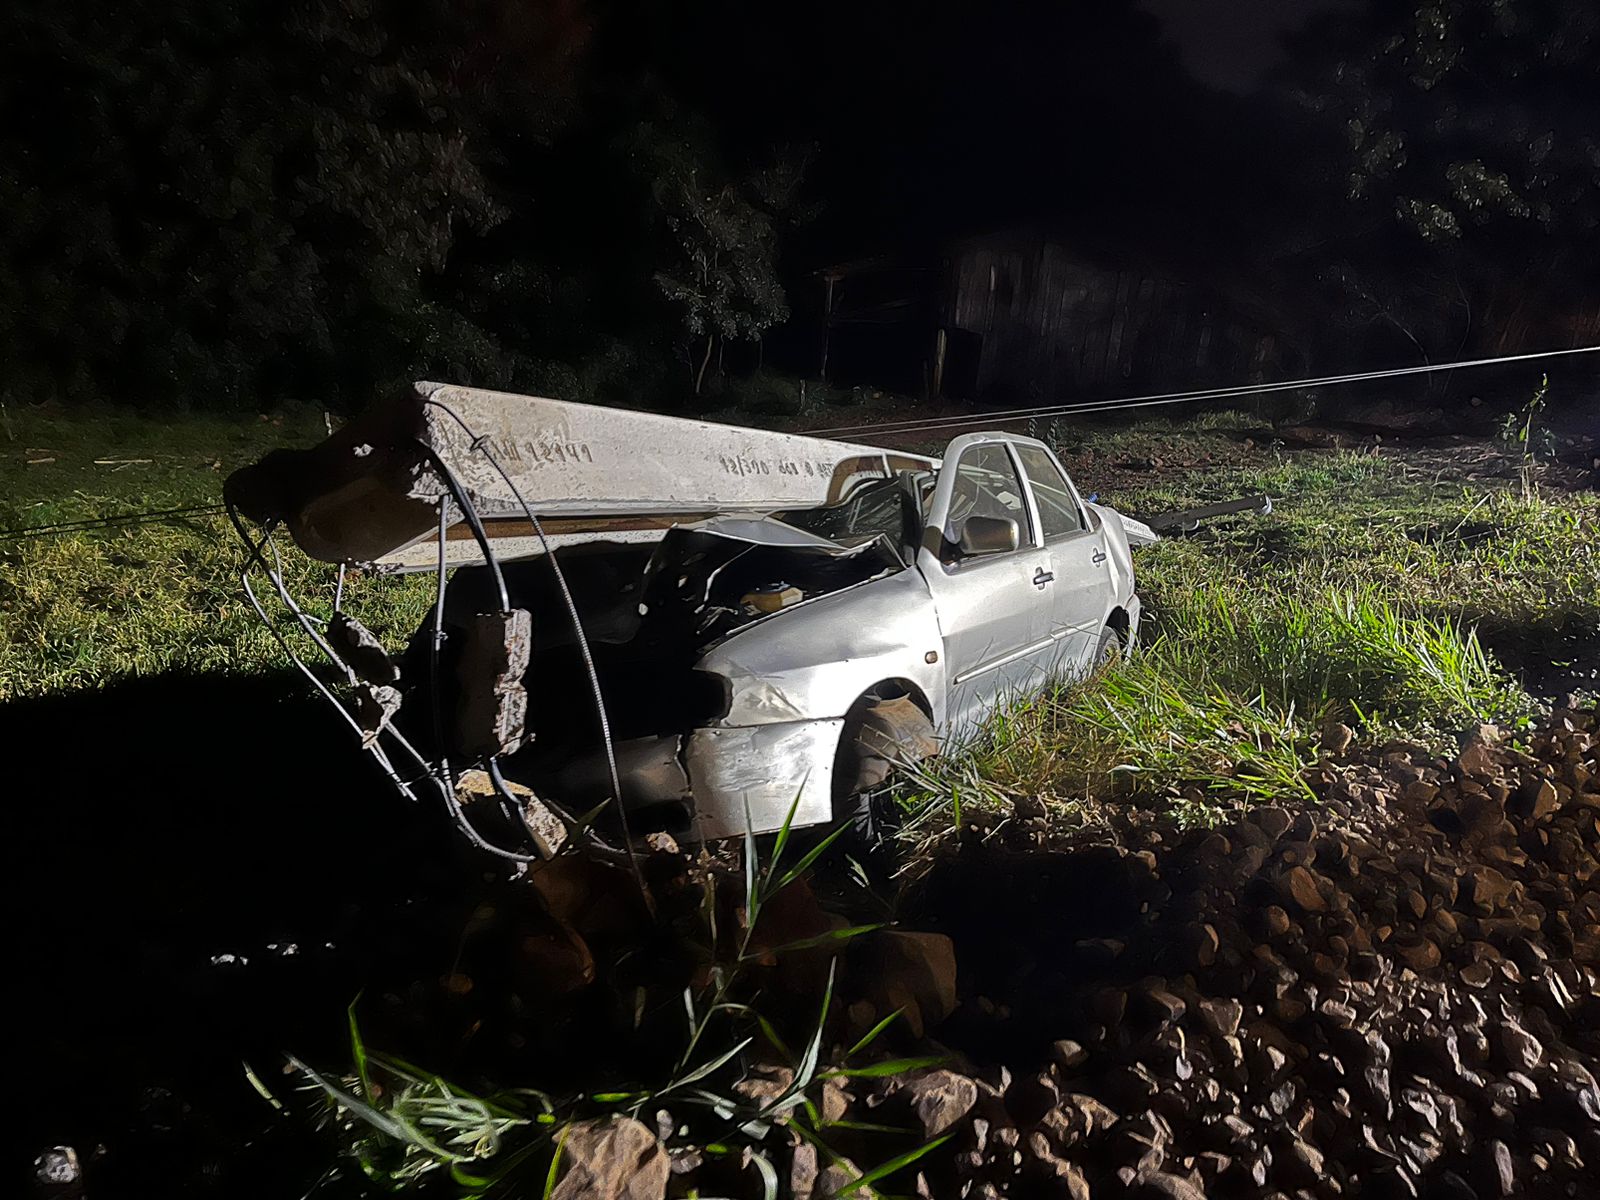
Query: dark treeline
[[230, 204]]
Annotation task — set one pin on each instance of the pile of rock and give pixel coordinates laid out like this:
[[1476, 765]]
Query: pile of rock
[[1393, 993]]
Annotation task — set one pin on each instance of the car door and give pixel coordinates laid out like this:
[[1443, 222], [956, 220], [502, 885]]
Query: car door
[[1080, 588], [995, 639]]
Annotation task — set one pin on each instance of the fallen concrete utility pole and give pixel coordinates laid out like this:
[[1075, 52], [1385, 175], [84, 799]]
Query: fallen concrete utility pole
[[764, 622], [370, 494]]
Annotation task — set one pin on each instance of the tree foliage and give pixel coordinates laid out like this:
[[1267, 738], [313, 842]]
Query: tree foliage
[[228, 202], [719, 268], [1474, 125]]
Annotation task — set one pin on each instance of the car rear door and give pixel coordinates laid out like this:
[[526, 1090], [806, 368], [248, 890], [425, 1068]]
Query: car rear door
[[1080, 586], [991, 616]]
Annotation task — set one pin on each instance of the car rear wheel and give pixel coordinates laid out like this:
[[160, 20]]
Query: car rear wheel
[[1112, 646]]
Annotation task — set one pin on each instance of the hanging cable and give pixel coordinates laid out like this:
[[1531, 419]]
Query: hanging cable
[[1005, 416], [480, 445]]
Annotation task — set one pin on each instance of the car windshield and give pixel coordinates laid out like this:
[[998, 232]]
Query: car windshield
[[877, 508]]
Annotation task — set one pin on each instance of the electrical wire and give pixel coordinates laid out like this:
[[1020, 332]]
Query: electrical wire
[[480, 445], [88, 524], [1005, 416]]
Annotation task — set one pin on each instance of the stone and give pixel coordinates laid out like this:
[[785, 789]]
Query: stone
[[1489, 889], [58, 1174], [1504, 1168], [1518, 1048], [614, 1159], [1201, 944], [838, 1179], [941, 1098], [1475, 761], [914, 972], [1541, 799], [1162, 1185], [1157, 1004], [1220, 1017], [1068, 1054], [1096, 1117], [1275, 921], [1303, 886], [802, 1170], [1416, 951]]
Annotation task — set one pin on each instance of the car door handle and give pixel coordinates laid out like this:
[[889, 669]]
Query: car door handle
[[1098, 557], [1042, 577]]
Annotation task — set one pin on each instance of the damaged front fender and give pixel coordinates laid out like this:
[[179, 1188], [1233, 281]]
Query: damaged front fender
[[818, 660], [748, 777]]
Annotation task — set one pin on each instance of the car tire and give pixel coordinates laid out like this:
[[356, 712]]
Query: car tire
[[1112, 646], [879, 734]]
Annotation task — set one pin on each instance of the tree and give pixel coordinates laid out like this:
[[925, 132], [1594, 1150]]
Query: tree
[[1474, 127], [720, 268], [223, 203]]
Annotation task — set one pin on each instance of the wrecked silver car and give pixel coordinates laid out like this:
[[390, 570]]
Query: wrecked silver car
[[715, 625]]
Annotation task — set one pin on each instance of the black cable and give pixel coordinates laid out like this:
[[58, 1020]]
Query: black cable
[[91, 523], [582, 639], [475, 522]]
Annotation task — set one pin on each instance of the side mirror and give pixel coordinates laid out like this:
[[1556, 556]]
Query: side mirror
[[989, 535]]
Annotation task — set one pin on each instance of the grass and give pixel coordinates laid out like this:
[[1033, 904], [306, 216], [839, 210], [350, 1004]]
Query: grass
[[1367, 597], [84, 609], [1359, 597]]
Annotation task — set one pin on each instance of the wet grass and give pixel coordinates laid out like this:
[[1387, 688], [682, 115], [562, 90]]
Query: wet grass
[[83, 609], [1360, 597], [1366, 598]]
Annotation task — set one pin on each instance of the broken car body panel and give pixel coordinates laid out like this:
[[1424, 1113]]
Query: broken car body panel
[[740, 593]]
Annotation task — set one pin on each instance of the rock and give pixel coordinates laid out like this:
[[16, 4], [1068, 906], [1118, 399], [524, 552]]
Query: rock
[[615, 1159], [58, 1174], [835, 1101], [1221, 1017], [1489, 889], [1304, 887], [914, 972], [1201, 944], [1540, 799], [1071, 1178], [1518, 1048], [940, 1098], [1336, 737], [1475, 761], [802, 1170], [1416, 951], [1096, 1118], [1275, 921], [838, 1179], [1273, 822], [1155, 1003], [1068, 1054], [1160, 1185], [1504, 1169], [765, 1083]]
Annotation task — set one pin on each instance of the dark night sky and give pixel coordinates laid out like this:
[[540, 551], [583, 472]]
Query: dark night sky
[[1233, 44]]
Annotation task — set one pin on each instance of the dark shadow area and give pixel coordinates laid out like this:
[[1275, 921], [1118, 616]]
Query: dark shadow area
[[1548, 660], [203, 872]]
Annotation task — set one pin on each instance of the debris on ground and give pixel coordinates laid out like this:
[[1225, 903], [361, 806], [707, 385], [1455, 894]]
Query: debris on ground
[[1391, 994]]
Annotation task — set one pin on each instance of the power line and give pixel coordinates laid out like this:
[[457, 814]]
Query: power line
[[1005, 416], [89, 524]]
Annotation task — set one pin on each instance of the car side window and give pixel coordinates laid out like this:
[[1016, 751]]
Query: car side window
[[1058, 510], [987, 485]]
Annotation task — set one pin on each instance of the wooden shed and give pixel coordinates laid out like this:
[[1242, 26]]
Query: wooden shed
[[1053, 322], [1030, 316]]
